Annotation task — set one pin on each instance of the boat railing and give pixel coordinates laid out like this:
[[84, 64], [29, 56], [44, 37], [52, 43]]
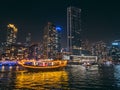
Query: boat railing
[[44, 63]]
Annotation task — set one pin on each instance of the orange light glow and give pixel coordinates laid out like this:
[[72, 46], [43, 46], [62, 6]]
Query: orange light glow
[[38, 81]]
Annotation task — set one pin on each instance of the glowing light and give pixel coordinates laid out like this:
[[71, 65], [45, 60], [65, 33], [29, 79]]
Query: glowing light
[[51, 79], [114, 43], [58, 28], [12, 26]]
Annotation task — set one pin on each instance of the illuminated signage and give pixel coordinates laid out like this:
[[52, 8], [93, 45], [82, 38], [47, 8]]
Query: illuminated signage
[[114, 43]]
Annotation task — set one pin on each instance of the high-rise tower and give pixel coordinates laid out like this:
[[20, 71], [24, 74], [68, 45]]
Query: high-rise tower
[[11, 34], [73, 29], [51, 41]]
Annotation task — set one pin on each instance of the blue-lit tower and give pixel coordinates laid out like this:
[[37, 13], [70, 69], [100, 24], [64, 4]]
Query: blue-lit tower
[[58, 37]]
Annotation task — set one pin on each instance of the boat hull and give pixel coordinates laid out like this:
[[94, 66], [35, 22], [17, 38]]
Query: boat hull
[[44, 69]]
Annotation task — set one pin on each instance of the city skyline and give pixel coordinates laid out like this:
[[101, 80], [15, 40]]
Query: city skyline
[[100, 19]]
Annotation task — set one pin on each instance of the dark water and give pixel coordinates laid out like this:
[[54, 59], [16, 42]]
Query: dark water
[[72, 78]]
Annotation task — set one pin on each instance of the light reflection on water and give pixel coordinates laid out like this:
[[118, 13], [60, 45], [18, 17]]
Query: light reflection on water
[[72, 78], [42, 80], [81, 78]]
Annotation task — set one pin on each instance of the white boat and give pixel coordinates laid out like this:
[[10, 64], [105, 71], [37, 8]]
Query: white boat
[[78, 59]]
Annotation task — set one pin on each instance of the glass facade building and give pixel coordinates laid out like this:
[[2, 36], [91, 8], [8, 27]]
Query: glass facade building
[[73, 29]]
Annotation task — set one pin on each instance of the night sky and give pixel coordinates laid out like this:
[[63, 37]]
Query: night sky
[[100, 18]]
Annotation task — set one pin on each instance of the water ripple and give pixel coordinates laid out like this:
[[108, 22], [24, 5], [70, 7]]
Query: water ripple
[[74, 78]]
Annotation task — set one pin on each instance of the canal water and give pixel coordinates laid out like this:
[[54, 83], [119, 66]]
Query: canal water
[[72, 78]]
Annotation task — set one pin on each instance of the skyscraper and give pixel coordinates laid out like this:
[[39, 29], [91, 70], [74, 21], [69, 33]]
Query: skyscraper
[[11, 34], [73, 29], [51, 40]]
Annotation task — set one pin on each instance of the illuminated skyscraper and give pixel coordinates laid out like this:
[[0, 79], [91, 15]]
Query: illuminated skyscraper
[[73, 28], [11, 39], [11, 34], [51, 40]]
